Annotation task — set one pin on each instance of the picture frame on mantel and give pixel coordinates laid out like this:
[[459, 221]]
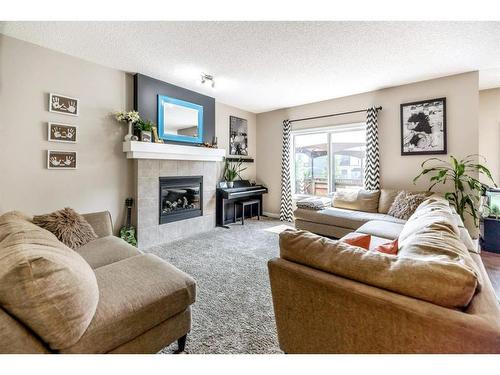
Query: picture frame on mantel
[[423, 127]]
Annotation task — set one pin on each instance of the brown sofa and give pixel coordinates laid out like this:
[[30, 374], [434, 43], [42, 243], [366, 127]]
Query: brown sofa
[[433, 297], [106, 297]]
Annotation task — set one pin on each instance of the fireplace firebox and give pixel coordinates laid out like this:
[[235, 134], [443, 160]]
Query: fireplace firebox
[[181, 198]]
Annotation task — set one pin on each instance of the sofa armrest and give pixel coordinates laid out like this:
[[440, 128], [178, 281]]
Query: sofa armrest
[[100, 222], [318, 312]]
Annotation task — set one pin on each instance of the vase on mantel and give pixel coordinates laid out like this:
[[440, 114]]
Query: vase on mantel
[[129, 135]]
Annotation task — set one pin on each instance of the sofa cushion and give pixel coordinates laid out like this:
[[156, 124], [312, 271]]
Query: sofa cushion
[[135, 295], [101, 223], [44, 284], [16, 338], [358, 200], [342, 218], [381, 228], [106, 250], [68, 226], [431, 211], [405, 204], [358, 239], [386, 198], [441, 281], [431, 231]]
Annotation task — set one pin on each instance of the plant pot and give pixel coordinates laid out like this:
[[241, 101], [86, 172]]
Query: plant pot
[[230, 184], [129, 135], [145, 136]]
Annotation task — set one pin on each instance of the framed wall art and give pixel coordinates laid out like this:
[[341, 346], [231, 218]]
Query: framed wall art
[[63, 104], [423, 127], [238, 136], [61, 159], [58, 132]]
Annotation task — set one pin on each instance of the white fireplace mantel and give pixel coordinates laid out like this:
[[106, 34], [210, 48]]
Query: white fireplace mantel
[[167, 151]]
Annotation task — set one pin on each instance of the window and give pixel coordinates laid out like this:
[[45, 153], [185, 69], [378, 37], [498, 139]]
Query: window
[[324, 160]]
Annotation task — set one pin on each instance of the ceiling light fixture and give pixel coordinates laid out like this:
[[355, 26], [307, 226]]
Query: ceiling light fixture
[[208, 79]]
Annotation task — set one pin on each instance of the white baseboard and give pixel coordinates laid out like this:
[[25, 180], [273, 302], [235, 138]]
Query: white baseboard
[[270, 214]]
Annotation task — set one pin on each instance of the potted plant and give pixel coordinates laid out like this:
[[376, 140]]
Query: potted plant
[[467, 190], [232, 171], [145, 128], [130, 118]]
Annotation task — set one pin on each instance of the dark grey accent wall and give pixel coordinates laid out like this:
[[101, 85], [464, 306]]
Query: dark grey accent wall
[[147, 89]]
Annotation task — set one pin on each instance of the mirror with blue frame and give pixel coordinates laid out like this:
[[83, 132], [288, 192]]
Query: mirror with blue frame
[[179, 120]]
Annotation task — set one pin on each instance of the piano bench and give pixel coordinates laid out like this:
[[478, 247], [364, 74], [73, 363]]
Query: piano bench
[[244, 204]]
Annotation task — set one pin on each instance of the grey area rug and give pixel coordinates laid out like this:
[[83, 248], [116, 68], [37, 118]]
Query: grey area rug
[[233, 312]]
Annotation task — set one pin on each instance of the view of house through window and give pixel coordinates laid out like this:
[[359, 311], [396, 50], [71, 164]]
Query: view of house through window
[[324, 161]]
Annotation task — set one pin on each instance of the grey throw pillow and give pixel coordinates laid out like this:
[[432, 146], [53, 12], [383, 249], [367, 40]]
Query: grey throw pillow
[[405, 204]]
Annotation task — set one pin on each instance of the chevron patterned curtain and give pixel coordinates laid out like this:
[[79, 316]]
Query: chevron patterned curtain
[[372, 167], [286, 184]]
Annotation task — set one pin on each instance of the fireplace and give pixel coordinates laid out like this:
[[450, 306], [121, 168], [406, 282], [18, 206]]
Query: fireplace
[[180, 198]]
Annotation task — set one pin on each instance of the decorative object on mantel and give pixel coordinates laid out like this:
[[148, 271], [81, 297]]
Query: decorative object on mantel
[[423, 127], [145, 127], [130, 118], [466, 196], [61, 159], [156, 139], [57, 132], [207, 145], [232, 171], [63, 104], [238, 136]]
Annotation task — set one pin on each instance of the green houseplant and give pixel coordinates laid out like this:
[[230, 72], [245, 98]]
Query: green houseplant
[[467, 190], [232, 171], [144, 128]]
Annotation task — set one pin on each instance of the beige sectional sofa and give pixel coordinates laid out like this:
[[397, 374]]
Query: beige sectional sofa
[[345, 216], [106, 297], [433, 297]]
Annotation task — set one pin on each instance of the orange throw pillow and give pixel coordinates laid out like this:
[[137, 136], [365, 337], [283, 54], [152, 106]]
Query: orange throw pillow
[[389, 248], [360, 240]]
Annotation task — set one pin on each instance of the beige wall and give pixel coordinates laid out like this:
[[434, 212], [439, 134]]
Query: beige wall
[[222, 113], [461, 92], [104, 177], [489, 131]]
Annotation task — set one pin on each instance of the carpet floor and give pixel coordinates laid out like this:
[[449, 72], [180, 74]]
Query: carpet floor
[[233, 312]]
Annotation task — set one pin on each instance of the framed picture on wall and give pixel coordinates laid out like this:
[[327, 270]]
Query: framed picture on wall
[[63, 104], [423, 127], [61, 159], [58, 132], [238, 136]]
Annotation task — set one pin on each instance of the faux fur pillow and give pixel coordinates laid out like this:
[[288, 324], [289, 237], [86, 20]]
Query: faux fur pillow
[[405, 204], [68, 226]]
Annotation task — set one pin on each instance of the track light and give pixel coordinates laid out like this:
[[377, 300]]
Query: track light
[[207, 79]]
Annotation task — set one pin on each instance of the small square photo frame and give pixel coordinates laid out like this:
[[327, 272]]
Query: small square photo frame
[[59, 132], [63, 104], [61, 159]]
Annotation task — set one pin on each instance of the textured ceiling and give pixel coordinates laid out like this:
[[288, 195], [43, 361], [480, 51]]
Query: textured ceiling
[[260, 66]]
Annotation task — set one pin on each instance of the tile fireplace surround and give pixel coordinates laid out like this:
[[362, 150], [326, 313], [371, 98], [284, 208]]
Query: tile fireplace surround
[[148, 173]]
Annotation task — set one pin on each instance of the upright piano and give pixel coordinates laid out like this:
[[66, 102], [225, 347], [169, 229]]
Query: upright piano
[[226, 197]]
